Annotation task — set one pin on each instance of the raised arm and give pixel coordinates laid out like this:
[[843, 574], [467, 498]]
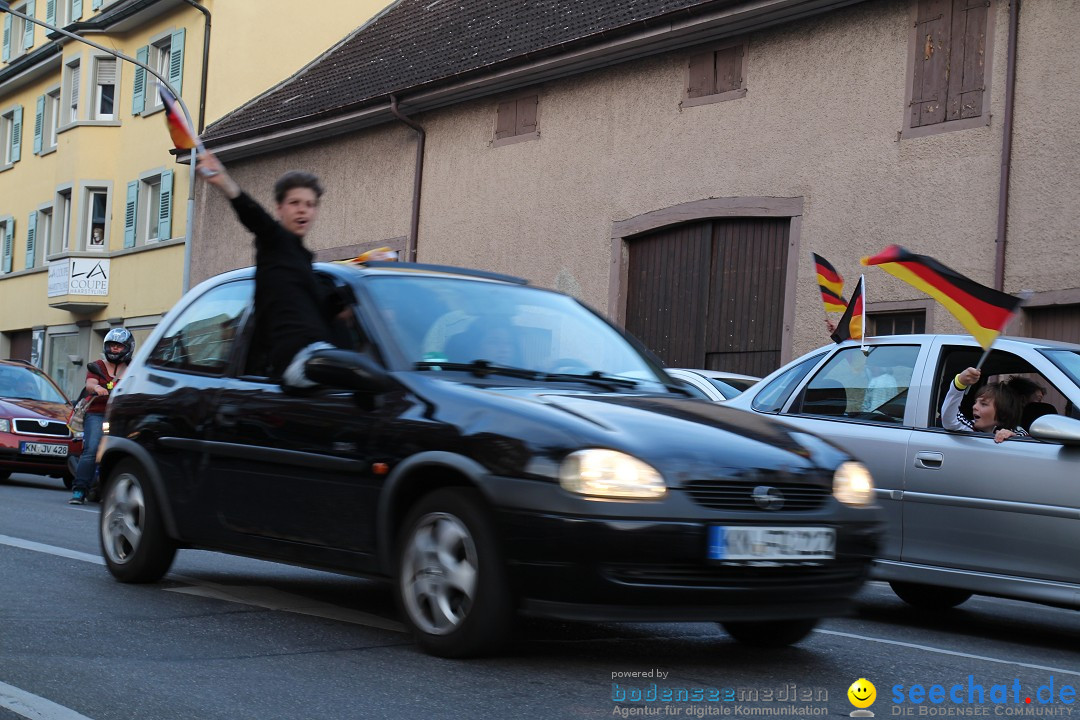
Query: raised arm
[[951, 417]]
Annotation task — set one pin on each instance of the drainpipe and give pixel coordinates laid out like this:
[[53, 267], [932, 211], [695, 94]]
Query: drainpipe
[[205, 62], [418, 176], [1006, 148]]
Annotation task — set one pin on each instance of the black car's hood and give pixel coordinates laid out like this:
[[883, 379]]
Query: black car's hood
[[26, 408], [686, 439]]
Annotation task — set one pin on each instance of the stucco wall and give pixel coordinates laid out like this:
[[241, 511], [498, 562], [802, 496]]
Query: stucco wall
[[820, 121]]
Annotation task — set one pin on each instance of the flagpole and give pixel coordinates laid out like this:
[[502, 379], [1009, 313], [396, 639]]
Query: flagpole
[[5, 6], [862, 290]]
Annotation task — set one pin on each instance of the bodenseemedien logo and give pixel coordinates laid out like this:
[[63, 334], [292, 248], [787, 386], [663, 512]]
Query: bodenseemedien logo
[[862, 695]]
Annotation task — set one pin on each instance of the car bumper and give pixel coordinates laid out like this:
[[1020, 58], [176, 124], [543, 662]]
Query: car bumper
[[619, 569]]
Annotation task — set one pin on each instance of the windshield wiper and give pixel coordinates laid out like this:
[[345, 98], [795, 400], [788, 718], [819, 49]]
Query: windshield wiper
[[479, 368], [597, 378]]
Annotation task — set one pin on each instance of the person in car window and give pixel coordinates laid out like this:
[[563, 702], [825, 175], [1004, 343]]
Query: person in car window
[[101, 377], [293, 309], [997, 407]]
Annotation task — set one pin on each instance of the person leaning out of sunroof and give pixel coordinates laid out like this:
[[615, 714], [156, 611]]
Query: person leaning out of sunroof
[[996, 411]]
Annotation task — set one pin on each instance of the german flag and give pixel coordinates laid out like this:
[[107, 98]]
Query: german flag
[[181, 133], [983, 311], [831, 284], [850, 326]]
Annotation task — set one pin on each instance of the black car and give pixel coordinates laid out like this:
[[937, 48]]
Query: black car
[[504, 450]]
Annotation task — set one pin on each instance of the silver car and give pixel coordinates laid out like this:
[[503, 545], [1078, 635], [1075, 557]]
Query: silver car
[[965, 515], [714, 385]]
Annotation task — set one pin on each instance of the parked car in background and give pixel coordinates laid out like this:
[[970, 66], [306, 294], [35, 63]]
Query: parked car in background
[[497, 449], [965, 515], [34, 436], [715, 385]]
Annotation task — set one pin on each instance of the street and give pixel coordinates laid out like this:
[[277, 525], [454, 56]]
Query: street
[[226, 637]]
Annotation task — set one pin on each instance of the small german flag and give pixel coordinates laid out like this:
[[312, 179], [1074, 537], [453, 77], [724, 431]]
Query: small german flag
[[983, 311], [850, 326], [831, 284]]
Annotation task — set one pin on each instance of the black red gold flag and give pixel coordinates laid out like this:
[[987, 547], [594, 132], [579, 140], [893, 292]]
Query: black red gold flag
[[850, 326], [831, 284]]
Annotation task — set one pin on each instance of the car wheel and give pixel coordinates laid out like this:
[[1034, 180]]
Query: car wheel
[[770, 633], [133, 539], [929, 597], [451, 585]]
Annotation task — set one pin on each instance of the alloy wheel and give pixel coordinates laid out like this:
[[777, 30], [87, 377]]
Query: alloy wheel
[[124, 511], [439, 573]]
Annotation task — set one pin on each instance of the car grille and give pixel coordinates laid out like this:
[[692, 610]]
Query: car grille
[[740, 576], [56, 428], [736, 495]]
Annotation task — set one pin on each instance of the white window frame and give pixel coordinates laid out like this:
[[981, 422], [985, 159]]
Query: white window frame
[[50, 125], [87, 192], [149, 210], [98, 62], [7, 129], [43, 239], [71, 90], [16, 48], [60, 243], [160, 55]]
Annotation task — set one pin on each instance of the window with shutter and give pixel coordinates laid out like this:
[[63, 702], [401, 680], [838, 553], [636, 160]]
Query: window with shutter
[[31, 240], [516, 119], [716, 74], [948, 73], [7, 235], [10, 135], [139, 95], [71, 91], [39, 124], [28, 30], [105, 89]]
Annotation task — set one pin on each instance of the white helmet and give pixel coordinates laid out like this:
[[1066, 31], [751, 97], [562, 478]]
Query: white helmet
[[123, 337]]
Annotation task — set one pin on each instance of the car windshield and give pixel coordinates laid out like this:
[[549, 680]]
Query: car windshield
[[22, 383], [730, 387], [437, 321], [1068, 361]]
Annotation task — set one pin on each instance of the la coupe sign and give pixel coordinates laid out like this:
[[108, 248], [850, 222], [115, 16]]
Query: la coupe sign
[[79, 276]]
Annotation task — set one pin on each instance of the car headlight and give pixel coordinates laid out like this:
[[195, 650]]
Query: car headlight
[[610, 474], [5, 425], [853, 484]]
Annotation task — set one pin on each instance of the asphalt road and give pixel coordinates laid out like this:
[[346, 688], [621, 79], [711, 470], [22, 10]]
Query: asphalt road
[[232, 638]]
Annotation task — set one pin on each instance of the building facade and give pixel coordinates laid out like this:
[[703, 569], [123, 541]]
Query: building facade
[[93, 207], [673, 164]]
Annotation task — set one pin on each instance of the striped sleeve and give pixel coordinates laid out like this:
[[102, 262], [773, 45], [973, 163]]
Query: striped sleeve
[[951, 417]]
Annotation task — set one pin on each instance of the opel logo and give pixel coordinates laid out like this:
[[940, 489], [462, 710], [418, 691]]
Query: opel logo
[[768, 498], [43, 423]]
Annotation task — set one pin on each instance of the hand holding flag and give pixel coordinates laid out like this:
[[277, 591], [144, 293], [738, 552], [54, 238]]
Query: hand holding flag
[[983, 311]]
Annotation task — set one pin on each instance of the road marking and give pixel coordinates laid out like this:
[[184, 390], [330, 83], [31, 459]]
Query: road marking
[[949, 652], [32, 706], [264, 597]]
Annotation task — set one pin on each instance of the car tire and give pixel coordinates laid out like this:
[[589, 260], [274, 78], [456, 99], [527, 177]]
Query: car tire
[[770, 633], [451, 583], [929, 597], [132, 533]]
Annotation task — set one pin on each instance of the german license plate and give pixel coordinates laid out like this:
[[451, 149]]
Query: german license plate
[[771, 543], [29, 448]]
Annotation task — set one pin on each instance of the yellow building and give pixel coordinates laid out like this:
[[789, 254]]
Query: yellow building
[[93, 207]]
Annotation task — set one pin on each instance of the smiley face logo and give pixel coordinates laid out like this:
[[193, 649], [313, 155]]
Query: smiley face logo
[[862, 693]]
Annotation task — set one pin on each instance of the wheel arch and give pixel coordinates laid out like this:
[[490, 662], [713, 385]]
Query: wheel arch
[[415, 477], [117, 450]]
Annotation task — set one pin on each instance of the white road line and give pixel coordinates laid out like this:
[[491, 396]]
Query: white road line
[[263, 597], [954, 653], [31, 706]]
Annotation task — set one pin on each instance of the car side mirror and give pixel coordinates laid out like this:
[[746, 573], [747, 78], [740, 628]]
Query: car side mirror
[[345, 369], [1056, 428]]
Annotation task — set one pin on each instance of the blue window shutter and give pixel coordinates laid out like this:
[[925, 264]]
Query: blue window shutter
[[76, 10], [139, 99], [97, 4], [50, 11], [31, 240], [9, 240], [28, 31], [130, 213], [16, 134], [164, 230], [7, 38], [39, 124], [176, 61]]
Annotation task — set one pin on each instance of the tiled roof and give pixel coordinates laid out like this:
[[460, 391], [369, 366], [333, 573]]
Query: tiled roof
[[418, 43]]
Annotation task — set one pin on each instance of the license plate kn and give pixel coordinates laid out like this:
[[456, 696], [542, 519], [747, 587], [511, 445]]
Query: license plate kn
[[771, 543], [28, 448]]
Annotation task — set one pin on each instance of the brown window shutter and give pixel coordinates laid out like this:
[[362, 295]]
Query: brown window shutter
[[506, 120], [702, 75], [968, 62], [526, 115], [930, 88], [729, 69]]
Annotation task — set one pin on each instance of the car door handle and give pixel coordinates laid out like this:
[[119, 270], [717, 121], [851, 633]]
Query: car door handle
[[929, 460]]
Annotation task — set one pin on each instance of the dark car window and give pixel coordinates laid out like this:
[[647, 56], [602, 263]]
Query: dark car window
[[773, 396], [858, 385], [729, 388], [201, 339], [25, 384], [454, 320]]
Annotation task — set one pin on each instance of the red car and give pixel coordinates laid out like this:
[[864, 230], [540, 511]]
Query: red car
[[34, 436]]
